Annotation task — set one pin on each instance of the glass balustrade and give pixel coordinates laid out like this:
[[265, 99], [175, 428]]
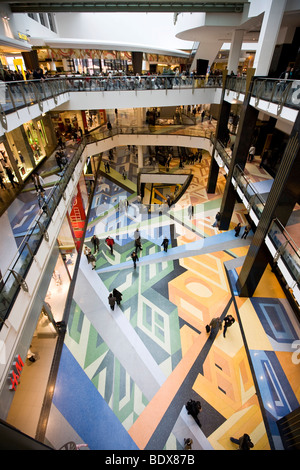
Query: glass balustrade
[[254, 199], [286, 247], [15, 95], [278, 91]]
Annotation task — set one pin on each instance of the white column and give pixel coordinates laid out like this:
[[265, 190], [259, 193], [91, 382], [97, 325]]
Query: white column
[[140, 157], [235, 50], [268, 36]]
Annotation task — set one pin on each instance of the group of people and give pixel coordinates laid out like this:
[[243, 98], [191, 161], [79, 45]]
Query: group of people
[[10, 175], [193, 408], [61, 159], [114, 297], [237, 230], [216, 324]]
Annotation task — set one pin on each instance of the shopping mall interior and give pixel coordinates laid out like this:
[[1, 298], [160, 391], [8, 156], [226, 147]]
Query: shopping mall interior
[[187, 156]]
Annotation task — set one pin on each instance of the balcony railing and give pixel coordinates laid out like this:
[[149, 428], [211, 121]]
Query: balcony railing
[[288, 251], [280, 92], [19, 94], [254, 199], [15, 276]]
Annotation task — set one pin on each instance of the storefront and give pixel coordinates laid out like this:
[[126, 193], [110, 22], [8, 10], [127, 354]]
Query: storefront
[[24, 148], [68, 123], [34, 354]]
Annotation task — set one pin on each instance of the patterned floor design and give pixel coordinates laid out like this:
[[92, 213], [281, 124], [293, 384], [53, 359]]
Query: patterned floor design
[[125, 375]]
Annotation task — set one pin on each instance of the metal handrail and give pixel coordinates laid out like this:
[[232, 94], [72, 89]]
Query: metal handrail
[[18, 94]]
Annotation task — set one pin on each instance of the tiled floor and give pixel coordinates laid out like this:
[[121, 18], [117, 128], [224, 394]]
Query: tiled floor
[[125, 375]]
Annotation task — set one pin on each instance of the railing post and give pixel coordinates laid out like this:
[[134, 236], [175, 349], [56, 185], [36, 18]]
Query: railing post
[[20, 280]]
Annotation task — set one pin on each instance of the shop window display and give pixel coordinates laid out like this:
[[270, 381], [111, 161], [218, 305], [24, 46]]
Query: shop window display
[[35, 138], [6, 171]]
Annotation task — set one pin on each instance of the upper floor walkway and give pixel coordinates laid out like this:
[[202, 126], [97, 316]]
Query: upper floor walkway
[[23, 100]]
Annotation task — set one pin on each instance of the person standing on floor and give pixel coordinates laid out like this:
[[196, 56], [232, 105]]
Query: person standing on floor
[[110, 243], [111, 301], [244, 442], [117, 295], [246, 231], [237, 229], [228, 321], [193, 408], [96, 242], [165, 244], [134, 258]]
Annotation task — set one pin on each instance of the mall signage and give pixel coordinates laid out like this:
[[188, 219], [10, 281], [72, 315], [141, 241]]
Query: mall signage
[[15, 372]]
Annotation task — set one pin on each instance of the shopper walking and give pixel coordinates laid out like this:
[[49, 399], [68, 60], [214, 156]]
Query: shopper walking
[[237, 229], [251, 154], [91, 259], [110, 243], [38, 182], [193, 408], [1, 181], [117, 295], [111, 301], [42, 202], [217, 219], [134, 258], [215, 324], [188, 443], [191, 211], [86, 251], [10, 176], [228, 321], [246, 231], [165, 244], [137, 240], [58, 159], [244, 442], [96, 242]]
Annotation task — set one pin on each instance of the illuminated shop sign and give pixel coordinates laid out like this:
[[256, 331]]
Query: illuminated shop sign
[[15, 373]]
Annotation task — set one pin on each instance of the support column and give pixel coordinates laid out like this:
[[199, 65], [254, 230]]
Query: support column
[[140, 157], [221, 132], [137, 62], [268, 35], [235, 50], [239, 157], [284, 194]]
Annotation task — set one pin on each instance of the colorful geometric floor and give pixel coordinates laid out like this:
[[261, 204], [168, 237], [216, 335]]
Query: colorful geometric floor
[[125, 375]]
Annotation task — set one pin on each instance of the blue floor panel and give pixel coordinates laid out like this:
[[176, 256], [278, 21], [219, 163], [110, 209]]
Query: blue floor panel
[[86, 411]]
